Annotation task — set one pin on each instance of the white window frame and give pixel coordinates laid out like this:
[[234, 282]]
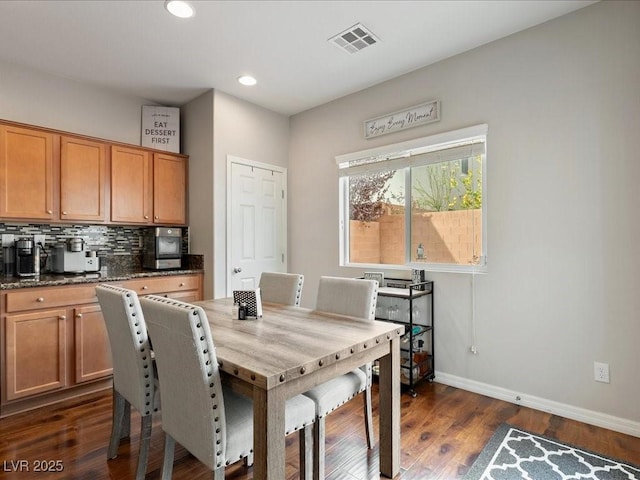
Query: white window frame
[[400, 154]]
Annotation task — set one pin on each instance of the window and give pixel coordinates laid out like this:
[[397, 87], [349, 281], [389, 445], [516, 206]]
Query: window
[[417, 204]]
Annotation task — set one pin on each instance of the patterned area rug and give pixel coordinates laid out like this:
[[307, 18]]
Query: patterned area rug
[[514, 454]]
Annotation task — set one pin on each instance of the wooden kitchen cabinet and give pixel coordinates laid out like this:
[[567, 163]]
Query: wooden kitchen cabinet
[[55, 177], [55, 339], [83, 179], [131, 185], [26, 173], [148, 188], [169, 189], [45, 176], [174, 286], [55, 343], [36, 348], [91, 343]]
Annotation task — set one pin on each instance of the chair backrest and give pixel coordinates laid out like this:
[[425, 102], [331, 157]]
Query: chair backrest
[[283, 288], [348, 296], [193, 410], [133, 374]]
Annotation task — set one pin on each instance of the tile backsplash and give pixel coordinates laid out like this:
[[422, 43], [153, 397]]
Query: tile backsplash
[[106, 240]]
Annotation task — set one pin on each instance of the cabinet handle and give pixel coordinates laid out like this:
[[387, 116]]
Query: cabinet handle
[[78, 315], [145, 288], [49, 212], [182, 284], [156, 217], [146, 217], [62, 317], [40, 299]]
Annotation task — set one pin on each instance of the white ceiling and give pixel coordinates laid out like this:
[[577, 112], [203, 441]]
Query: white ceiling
[[137, 48]]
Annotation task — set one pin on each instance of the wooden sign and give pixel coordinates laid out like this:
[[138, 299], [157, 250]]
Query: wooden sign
[[161, 128], [400, 120]]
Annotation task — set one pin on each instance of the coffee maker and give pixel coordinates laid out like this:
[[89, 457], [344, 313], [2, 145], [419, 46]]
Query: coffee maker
[[27, 257], [71, 257]]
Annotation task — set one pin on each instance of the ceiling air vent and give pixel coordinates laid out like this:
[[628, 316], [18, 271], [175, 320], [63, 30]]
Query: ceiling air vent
[[354, 39]]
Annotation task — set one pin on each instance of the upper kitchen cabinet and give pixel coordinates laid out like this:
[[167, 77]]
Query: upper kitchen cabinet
[[131, 185], [169, 189], [148, 188], [26, 173], [82, 180], [50, 176]]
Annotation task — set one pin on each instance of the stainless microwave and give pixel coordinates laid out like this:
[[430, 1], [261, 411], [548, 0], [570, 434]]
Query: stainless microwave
[[162, 248]]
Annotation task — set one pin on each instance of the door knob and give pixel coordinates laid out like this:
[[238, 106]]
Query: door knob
[[237, 270]]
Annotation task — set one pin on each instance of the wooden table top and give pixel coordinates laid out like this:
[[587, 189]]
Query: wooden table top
[[287, 343]]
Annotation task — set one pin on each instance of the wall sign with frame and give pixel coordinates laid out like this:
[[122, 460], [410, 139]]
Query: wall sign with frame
[[402, 119]]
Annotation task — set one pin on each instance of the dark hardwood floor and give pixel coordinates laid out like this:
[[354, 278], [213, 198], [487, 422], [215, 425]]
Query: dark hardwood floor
[[443, 431]]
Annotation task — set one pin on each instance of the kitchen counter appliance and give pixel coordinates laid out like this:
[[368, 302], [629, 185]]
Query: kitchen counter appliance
[[162, 248], [27, 257], [72, 257]]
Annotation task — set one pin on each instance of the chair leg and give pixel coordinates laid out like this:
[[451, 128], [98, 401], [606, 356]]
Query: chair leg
[[117, 419], [167, 463], [318, 449], [368, 417], [143, 452], [218, 473], [306, 452], [126, 421]]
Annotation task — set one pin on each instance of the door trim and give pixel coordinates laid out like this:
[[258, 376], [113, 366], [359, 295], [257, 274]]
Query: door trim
[[231, 159]]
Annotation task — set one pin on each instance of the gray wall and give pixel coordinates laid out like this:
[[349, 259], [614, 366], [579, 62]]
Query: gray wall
[[197, 142], [28, 96], [561, 101], [219, 125]]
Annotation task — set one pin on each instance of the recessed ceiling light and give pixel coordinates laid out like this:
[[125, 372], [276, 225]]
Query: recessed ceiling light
[[247, 80], [180, 8]]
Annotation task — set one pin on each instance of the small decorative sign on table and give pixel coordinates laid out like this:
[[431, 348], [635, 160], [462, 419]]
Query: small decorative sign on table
[[252, 300], [161, 128], [409, 117]]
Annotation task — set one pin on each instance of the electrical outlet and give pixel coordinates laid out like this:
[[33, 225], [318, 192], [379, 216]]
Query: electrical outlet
[[601, 372], [39, 239], [7, 239]]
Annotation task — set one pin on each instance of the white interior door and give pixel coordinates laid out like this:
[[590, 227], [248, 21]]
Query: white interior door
[[257, 223]]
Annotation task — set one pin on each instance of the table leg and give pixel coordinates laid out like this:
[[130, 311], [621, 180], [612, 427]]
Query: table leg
[[268, 434], [389, 388]]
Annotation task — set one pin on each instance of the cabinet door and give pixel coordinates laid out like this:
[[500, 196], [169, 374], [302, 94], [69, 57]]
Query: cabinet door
[[169, 189], [131, 185], [36, 350], [26, 173], [93, 353], [82, 179], [188, 296]]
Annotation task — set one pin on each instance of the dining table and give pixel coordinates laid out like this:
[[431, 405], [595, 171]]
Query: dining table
[[289, 350]]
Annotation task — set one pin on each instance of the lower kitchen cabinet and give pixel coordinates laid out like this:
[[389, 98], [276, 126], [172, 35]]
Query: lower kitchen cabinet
[[91, 344], [36, 346], [55, 343]]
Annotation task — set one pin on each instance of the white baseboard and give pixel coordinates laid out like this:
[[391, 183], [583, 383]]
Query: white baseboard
[[591, 417]]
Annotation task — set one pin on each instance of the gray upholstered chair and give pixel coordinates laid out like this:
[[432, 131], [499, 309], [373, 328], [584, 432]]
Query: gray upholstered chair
[[283, 288], [134, 382], [356, 298], [212, 422]]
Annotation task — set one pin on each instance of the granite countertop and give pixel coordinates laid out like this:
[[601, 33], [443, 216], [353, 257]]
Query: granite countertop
[[55, 279], [111, 271]]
